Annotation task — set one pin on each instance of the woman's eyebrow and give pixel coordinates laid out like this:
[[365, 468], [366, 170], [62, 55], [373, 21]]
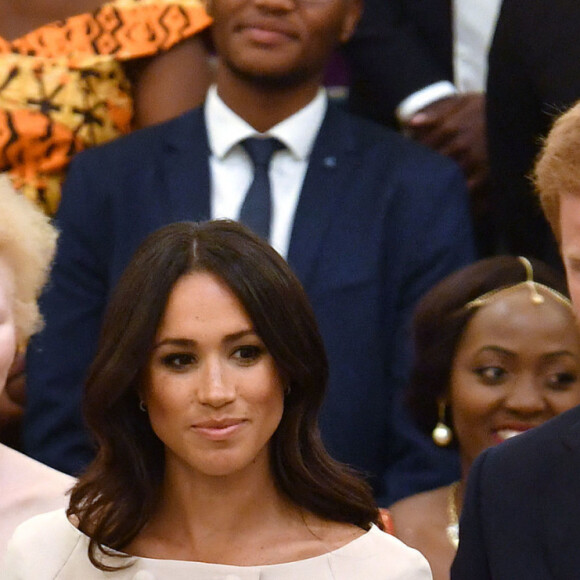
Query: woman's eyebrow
[[190, 342]]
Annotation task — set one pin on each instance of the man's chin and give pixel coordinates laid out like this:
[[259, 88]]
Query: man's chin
[[274, 79]]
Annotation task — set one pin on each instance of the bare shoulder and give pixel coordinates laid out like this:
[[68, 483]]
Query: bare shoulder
[[419, 514], [425, 500]]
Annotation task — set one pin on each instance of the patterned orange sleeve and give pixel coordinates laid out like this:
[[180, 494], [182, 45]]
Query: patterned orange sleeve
[[151, 26], [124, 29]]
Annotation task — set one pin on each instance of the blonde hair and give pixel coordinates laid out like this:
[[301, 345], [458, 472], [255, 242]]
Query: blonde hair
[[557, 169], [27, 244]]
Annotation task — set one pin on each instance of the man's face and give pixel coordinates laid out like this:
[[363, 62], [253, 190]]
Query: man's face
[[280, 42], [570, 246]]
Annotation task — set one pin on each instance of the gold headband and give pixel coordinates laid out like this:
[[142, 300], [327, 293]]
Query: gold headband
[[529, 282]]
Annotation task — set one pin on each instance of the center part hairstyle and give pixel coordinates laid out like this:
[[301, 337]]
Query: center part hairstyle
[[442, 315], [116, 497]]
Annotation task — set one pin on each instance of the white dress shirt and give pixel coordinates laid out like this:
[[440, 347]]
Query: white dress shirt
[[473, 26], [232, 169]]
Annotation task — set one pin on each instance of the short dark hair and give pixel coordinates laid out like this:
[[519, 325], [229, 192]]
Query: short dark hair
[[115, 497], [440, 319]]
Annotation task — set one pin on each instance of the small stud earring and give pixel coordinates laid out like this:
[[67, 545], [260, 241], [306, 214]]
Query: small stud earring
[[442, 435]]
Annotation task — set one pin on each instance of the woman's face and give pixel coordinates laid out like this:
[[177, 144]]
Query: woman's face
[[7, 327], [214, 395], [517, 365]]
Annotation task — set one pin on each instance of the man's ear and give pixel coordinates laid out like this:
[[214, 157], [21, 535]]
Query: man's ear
[[352, 15]]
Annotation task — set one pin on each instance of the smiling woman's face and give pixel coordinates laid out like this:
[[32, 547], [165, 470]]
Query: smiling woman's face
[[517, 365], [214, 395], [7, 327]]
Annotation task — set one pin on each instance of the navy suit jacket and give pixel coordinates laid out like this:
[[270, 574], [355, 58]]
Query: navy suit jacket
[[399, 47], [522, 508], [379, 221]]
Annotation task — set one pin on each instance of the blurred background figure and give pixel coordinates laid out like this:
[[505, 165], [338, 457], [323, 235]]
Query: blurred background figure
[[422, 67], [27, 244], [534, 75], [74, 74], [497, 353], [203, 399]]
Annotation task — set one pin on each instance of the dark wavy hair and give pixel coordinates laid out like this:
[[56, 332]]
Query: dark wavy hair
[[116, 496], [440, 319]]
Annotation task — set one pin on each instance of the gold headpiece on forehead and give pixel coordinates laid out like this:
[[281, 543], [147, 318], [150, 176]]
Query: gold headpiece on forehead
[[529, 282]]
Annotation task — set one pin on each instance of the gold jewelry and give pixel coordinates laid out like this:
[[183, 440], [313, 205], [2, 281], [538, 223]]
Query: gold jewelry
[[442, 434], [452, 528], [533, 286]]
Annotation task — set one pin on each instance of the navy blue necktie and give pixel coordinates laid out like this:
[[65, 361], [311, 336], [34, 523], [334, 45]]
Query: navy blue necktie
[[256, 210]]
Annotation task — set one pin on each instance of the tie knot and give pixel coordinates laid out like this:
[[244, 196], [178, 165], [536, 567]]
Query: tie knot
[[261, 150]]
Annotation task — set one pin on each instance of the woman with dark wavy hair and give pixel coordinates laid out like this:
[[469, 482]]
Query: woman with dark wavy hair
[[497, 352], [203, 401]]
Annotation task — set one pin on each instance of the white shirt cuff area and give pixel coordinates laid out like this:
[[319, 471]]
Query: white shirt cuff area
[[412, 104]]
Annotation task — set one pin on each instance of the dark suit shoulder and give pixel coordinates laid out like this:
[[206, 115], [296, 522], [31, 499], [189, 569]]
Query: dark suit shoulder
[[399, 47], [369, 136], [521, 509], [149, 140]]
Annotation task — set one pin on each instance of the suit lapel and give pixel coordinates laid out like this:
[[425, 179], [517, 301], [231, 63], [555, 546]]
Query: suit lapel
[[561, 507], [187, 177], [324, 185], [186, 158]]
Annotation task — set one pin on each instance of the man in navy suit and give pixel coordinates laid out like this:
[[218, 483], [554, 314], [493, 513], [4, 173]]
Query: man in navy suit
[[522, 506], [368, 221]]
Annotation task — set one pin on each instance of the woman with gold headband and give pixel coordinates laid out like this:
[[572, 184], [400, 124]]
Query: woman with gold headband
[[497, 353]]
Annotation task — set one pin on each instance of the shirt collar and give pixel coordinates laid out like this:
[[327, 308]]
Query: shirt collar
[[298, 132]]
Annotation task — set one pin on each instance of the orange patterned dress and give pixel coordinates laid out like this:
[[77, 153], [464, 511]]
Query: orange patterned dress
[[63, 87]]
